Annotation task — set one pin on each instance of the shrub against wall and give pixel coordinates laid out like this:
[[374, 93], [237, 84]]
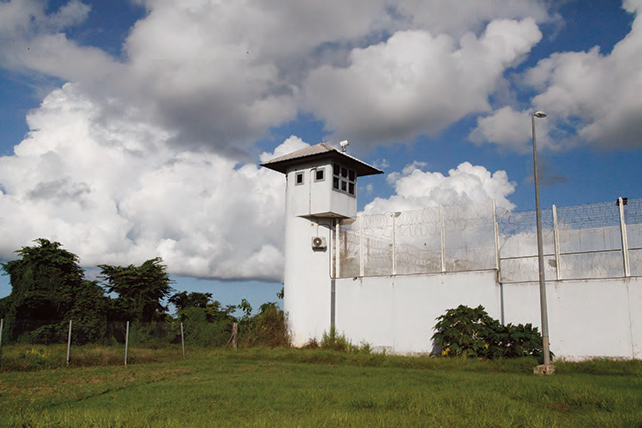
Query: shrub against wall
[[471, 332]]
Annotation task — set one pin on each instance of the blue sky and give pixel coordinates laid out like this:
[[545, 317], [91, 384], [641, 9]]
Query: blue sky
[[133, 129]]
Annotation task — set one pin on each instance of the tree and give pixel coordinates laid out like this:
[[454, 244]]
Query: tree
[[47, 288], [185, 300], [89, 314], [140, 290]]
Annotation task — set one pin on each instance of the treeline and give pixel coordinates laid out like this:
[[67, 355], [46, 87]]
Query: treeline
[[49, 288]]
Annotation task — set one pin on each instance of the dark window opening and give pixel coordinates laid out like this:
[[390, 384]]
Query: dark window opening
[[319, 174], [298, 178], [344, 179]]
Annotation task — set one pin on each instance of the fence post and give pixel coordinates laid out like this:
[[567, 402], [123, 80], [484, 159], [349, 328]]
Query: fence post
[[69, 342], [556, 237], [126, 341], [443, 238], [496, 227], [183, 340], [235, 329], [362, 267], [394, 242], [625, 242]]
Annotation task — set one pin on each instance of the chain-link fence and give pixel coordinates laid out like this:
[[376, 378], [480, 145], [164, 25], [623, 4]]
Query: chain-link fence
[[585, 241]]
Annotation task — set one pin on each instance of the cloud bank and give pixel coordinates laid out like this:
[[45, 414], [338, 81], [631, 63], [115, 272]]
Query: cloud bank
[[153, 152], [117, 193]]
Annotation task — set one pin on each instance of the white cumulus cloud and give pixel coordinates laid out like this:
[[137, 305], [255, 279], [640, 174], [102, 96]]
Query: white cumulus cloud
[[101, 191], [416, 83], [466, 184], [590, 97]]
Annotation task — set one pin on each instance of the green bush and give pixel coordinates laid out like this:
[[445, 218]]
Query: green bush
[[471, 332], [203, 329]]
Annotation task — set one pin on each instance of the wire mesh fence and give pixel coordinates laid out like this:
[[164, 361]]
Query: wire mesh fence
[[586, 241], [125, 336], [432, 240]]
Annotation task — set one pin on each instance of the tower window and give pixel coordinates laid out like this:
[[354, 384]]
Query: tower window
[[298, 178], [319, 174], [344, 179]]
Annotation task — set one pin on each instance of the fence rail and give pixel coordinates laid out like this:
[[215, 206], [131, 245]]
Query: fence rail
[[580, 242]]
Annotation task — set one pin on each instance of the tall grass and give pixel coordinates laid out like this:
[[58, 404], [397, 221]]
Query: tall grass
[[317, 387], [25, 357]]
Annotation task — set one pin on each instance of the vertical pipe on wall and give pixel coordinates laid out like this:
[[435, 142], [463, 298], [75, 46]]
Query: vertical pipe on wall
[[333, 303], [337, 264], [443, 238], [556, 237], [625, 242], [362, 267], [334, 236]]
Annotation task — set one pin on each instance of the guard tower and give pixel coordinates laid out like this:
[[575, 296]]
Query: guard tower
[[321, 190]]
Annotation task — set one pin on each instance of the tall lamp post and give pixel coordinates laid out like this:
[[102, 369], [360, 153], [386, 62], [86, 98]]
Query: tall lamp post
[[545, 368]]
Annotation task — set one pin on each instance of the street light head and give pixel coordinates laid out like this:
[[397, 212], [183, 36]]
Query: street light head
[[539, 114]]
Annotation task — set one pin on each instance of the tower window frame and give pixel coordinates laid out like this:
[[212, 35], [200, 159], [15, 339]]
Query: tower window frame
[[299, 178], [319, 175], [344, 180]]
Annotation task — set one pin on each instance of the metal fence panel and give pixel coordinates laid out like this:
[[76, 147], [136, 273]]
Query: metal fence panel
[[585, 242]]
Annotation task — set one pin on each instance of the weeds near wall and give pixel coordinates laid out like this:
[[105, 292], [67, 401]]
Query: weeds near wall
[[333, 341], [267, 328], [471, 332], [336, 342]]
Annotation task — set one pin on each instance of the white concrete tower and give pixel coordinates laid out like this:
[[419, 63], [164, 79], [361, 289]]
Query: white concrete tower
[[321, 189]]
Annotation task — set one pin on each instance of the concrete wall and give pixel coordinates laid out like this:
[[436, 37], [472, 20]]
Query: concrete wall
[[398, 313], [588, 318]]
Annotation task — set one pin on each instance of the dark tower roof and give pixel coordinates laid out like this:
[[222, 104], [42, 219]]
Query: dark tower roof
[[318, 152]]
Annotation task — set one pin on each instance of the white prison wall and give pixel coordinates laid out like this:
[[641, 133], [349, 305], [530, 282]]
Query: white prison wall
[[384, 279], [587, 318]]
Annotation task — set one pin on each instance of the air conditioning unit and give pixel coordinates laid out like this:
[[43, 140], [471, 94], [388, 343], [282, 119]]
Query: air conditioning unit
[[319, 243]]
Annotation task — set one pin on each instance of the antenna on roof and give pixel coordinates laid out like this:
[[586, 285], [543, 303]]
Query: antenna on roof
[[343, 145]]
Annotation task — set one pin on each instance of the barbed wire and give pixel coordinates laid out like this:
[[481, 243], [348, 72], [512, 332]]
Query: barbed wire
[[462, 238]]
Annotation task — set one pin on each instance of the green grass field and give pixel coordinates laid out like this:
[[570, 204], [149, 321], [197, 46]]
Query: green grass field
[[289, 387]]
